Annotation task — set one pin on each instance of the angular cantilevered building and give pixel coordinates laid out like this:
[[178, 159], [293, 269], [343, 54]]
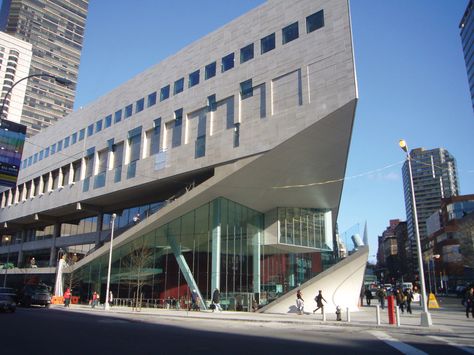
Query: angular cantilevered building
[[232, 153]]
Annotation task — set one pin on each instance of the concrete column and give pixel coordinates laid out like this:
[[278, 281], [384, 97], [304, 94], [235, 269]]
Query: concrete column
[[256, 242], [22, 236], [56, 234], [71, 174], [216, 244], [100, 221]]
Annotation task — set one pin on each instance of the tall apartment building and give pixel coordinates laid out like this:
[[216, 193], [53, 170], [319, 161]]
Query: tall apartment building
[[56, 31], [434, 178], [15, 59], [467, 38], [220, 149]]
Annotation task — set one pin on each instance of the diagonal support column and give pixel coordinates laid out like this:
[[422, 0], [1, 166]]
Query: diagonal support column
[[183, 266]]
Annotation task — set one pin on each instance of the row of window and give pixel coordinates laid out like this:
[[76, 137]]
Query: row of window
[[267, 43]]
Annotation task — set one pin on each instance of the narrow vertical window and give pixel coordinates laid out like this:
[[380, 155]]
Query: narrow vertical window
[[210, 70], [267, 43], [315, 21], [118, 116], [227, 62], [177, 129], [246, 89], [151, 99], [164, 93], [128, 110], [178, 86], [246, 53], [108, 121], [193, 79], [139, 105], [289, 33], [236, 134]]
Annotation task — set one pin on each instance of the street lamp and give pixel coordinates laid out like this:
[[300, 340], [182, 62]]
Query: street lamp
[[59, 80], [6, 239], [425, 315], [107, 292], [432, 258]]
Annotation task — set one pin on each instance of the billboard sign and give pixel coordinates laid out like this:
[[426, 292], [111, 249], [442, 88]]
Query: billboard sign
[[12, 140]]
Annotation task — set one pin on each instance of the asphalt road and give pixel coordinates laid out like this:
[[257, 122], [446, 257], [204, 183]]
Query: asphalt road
[[65, 331]]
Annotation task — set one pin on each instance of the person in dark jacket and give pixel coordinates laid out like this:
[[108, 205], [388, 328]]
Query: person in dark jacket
[[409, 297], [216, 300], [469, 301], [368, 296], [319, 302]]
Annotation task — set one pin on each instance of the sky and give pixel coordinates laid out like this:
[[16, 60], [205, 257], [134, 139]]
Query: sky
[[410, 70]]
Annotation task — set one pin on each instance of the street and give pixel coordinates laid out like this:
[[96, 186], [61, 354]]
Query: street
[[80, 330]]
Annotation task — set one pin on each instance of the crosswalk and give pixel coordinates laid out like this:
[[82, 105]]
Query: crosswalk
[[408, 344]]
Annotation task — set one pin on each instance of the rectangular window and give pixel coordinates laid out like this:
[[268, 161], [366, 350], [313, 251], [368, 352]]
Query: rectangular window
[[128, 111], [66, 142], [53, 149], [98, 126], [154, 137], [46, 152], [74, 138], [246, 89], [193, 79], [315, 21], [236, 134], [30, 160], [140, 105], [35, 158], [177, 129], [90, 130], [164, 92], [108, 121], [60, 146], [118, 116], [210, 70], [178, 86], [41, 155], [289, 33], [267, 43], [227, 62], [211, 102], [246, 53], [151, 99]]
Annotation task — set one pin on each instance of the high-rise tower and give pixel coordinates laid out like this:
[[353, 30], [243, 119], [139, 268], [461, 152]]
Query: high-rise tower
[[467, 38], [56, 31], [434, 178]]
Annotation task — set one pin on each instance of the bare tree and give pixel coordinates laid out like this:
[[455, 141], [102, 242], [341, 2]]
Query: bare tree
[[137, 262]]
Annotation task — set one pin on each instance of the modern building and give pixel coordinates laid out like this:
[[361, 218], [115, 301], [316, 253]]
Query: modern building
[[467, 29], [389, 262], [15, 60], [451, 241], [434, 178], [55, 29], [220, 167]]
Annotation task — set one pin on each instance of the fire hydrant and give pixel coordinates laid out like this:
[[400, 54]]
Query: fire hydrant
[[338, 313]]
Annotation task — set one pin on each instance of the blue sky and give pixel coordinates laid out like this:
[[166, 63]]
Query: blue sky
[[410, 68]]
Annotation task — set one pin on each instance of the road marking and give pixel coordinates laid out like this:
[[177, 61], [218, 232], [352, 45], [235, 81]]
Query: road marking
[[402, 347], [465, 348]]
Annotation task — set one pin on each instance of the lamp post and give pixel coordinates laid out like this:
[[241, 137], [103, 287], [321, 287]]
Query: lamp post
[[6, 239], [433, 257], [425, 315], [107, 292], [59, 80]]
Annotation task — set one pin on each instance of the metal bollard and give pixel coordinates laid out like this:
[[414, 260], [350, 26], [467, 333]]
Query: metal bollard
[[397, 312], [348, 315], [377, 314]]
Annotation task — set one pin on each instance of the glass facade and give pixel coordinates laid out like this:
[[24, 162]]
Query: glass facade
[[220, 244]]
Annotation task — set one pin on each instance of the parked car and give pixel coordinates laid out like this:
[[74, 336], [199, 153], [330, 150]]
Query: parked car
[[35, 295], [7, 303]]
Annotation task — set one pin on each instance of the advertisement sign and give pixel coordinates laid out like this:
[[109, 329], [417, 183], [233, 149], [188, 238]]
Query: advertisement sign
[[12, 139]]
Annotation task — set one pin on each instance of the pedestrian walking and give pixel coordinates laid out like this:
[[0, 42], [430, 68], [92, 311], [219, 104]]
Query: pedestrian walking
[[409, 297], [299, 302], [469, 301], [111, 298], [319, 302], [94, 301], [216, 296], [381, 294], [194, 306], [368, 296], [67, 297], [400, 298]]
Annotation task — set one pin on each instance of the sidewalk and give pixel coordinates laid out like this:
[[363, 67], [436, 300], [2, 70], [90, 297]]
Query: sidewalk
[[444, 321]]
